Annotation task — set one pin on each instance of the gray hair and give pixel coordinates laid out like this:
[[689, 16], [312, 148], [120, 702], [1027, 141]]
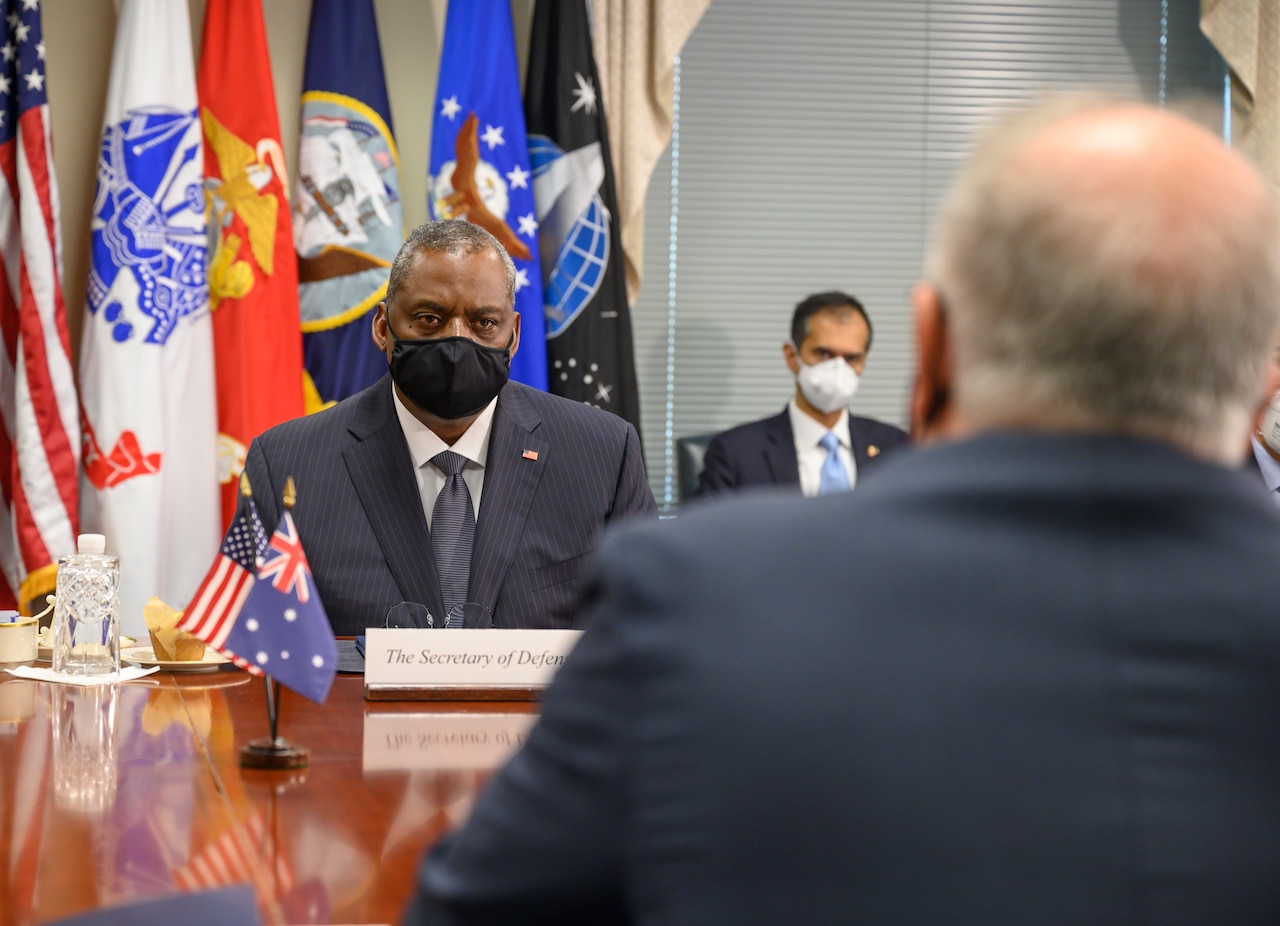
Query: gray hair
[[1068, 309], [448, 237]]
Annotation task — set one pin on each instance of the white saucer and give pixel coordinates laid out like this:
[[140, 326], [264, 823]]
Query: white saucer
[[44, 651], [145, 657]]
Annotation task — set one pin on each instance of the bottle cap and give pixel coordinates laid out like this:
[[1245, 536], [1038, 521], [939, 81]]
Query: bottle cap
[[91, 543]]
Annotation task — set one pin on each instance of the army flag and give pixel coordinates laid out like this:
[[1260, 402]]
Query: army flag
[[40, 440], [347, 221], [253, 275], [150, 480], [590, 352], [480, 158]]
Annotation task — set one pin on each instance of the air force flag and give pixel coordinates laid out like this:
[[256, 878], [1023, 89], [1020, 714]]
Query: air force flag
[[480, 158]]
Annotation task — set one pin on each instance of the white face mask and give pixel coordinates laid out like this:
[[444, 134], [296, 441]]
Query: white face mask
[[830, 385], [1269, 426]]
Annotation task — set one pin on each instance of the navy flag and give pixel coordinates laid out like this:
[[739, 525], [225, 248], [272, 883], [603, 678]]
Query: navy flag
[[347, 221], [480, 159], [590, 353]]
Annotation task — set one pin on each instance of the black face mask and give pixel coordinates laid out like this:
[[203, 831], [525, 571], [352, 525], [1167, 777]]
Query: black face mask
[[449, 377]]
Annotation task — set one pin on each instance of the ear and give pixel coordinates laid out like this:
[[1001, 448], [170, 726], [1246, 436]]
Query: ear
[[380, 331], [515, 335], [932, 411], [793, 359]]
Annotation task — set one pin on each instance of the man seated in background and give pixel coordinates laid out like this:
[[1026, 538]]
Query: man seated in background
[[444, 484], [815, 443], [1263, 458], [1030, 673]]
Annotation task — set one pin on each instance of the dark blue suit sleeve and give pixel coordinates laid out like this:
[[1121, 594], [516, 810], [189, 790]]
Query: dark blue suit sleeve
[[719, 474], [633, 495], [545, 840], [266, 496]]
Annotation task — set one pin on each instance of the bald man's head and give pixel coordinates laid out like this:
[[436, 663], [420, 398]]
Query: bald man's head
[[1109, 267]]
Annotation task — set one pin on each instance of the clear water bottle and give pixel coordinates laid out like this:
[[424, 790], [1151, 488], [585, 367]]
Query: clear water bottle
[[86, 625]]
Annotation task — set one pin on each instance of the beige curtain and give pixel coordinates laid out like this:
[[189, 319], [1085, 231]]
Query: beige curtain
[[636, 43], [1247, 34]]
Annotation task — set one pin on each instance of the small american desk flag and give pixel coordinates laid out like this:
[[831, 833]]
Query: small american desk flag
[[222, 594]]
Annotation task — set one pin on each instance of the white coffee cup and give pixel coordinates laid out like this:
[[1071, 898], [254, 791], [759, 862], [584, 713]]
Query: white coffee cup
[[18, 637]]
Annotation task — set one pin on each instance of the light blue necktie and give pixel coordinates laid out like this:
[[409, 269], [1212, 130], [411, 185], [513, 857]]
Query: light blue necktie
[[833, 477]]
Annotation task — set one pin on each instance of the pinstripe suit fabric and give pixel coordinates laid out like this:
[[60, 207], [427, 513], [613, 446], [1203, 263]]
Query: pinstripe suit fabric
[[361, 521]]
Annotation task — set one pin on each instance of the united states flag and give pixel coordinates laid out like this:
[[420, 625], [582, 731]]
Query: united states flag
[[245, 853], [222, 594], [40, 440]]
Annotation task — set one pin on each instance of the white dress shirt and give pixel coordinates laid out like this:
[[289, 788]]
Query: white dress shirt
[[810, 455], [425, 444], [1270, 469]]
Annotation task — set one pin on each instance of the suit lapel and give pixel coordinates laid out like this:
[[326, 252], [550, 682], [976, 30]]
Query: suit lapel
[[780, 451], [516, 461], [382, 472], [859, 439]]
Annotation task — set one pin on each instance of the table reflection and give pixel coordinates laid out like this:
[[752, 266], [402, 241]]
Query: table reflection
[[84, 747], [120, 793]]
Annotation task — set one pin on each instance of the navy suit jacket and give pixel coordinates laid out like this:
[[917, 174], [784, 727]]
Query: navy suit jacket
[[556, 473], [1020, 679], [762, 453]]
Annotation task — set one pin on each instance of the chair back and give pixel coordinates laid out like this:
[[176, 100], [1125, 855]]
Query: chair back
[[690, 452]]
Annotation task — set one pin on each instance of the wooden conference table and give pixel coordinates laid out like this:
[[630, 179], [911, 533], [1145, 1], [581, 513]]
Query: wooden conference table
[[116, 794]]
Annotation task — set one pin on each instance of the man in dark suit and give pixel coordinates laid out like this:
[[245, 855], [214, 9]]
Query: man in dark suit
[[540, 475], [1030, 673], [815, 444]]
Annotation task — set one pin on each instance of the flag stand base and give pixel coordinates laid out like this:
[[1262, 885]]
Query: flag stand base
[[274, 753]]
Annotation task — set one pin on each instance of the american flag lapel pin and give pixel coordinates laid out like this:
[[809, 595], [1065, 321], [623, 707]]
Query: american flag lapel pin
[[530, 454]]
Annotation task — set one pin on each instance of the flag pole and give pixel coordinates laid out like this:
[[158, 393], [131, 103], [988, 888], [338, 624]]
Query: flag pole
[[274, 751], [273, 713]]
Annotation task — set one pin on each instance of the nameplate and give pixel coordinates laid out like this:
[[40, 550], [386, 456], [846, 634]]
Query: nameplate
[[448, 742], [439, 664]]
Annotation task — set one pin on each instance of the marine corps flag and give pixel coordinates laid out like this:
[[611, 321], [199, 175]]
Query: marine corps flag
[[590, 353], [150, 480], [253, 276], [347, 222], [480, 158]]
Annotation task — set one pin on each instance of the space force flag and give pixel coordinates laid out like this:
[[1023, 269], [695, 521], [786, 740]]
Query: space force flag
[[347, 222], [150, 478], [40, 440], [480, 158], [253, 276], [590, 350]]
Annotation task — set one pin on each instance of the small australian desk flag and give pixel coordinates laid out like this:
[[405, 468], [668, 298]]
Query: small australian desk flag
[[282, 630], [269, 621]]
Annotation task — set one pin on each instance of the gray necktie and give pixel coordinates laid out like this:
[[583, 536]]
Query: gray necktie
[[453, 527]]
